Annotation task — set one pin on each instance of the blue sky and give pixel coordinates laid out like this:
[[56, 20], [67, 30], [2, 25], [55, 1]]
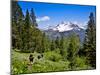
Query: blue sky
[[48, 14]]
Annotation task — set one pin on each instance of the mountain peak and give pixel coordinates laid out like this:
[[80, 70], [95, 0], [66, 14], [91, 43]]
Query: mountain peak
[[66, 26], [65, 29]]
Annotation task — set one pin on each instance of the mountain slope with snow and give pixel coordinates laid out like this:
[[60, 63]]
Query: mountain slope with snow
[[65, 29]]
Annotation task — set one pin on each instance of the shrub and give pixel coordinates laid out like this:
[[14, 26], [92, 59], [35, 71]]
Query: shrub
[[57, 50], [19, 67], [80, 63], [53, 56], [49, 66]]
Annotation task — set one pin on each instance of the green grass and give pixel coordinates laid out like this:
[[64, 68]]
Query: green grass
[[50, 62]]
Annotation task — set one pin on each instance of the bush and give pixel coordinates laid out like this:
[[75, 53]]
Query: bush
[[53, 56], [19, 67], [49, 66], [57, 50], [80, 63]]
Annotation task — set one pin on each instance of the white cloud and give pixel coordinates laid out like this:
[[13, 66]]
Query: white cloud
[[81, 25], [44, 18], [75, 22]]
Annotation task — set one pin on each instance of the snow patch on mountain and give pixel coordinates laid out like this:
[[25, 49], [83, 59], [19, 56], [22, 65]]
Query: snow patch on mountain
[[66, 26]]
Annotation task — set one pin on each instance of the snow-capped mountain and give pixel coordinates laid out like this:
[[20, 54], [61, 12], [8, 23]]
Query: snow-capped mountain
[[65, 29]]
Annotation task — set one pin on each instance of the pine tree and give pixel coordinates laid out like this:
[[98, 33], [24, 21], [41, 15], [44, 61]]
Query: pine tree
[[33, 18], [45, 43], [57, 42], [89, 46], [27, 31], [63, 47], [73, 49], [53, 47], [17, 22]]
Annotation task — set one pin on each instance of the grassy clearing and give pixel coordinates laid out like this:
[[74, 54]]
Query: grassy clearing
[[48, 63], [51, 61]]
